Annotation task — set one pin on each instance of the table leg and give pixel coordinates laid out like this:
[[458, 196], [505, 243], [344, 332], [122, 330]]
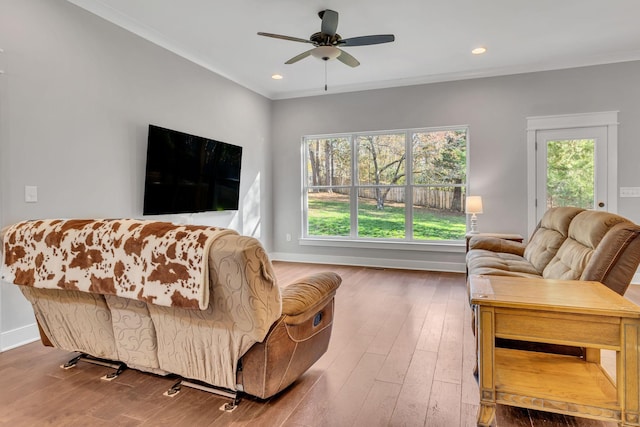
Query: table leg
[[486, 349], [486, 415], [628, 373]]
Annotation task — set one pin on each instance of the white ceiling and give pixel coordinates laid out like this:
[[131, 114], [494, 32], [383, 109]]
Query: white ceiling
[[433, 43]]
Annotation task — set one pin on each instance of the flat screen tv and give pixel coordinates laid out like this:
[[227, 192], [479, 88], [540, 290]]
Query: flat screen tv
[[187, 173]]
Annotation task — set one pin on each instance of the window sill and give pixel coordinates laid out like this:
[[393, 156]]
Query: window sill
[[431, 246]]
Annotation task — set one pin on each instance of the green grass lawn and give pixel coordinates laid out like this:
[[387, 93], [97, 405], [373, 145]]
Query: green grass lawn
[[329, 216]]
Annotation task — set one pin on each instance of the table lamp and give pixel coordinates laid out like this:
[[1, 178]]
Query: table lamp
[[474, 206]]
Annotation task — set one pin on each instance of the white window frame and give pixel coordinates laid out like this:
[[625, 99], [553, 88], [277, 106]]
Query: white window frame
[[408, 243]]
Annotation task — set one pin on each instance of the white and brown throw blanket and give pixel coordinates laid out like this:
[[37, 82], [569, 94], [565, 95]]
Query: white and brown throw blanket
[[157, 262]]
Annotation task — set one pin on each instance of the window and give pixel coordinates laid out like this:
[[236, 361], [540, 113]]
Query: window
[[406, 185]]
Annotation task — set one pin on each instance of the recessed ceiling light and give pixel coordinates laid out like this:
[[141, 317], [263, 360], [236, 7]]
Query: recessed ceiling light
[[479, 50], [277, 77]]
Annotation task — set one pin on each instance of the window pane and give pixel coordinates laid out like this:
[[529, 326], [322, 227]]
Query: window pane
[[438, 213], [328, 212], [328, 161], [439, 157], [571, 173], [381, 159], [381, 212]]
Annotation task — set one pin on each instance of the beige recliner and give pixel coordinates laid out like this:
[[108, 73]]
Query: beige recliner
[[253, 337]]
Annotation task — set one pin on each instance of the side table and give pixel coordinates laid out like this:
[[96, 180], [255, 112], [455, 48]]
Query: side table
[[568, 312]]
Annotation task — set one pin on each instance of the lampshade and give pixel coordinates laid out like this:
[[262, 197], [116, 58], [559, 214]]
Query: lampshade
[[325, 52], [474, 205]]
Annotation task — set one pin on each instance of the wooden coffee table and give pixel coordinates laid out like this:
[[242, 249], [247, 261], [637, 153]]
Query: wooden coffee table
[[583, 314]]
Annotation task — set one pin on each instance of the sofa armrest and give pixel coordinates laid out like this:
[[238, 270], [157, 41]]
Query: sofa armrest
[[303, 298], [616, 259], [496, 244]]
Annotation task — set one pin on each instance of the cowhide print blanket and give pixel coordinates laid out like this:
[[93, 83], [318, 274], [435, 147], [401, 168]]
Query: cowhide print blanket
[[157, 262]]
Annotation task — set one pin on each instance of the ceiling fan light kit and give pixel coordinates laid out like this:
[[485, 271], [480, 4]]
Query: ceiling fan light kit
[[325, 52]]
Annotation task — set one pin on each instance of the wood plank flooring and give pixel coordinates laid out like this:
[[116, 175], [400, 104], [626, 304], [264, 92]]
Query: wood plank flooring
[[401, 354]]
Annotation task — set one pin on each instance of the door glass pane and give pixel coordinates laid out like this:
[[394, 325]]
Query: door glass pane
[[571, 173], [328, 212], [381, 221]]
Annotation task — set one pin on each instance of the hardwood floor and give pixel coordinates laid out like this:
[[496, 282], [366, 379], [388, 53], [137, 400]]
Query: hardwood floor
[[401, 354]]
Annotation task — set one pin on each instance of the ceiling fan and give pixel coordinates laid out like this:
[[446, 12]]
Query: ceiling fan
[[327, 42]]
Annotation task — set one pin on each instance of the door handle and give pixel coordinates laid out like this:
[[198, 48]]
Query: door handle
[[601, 204]]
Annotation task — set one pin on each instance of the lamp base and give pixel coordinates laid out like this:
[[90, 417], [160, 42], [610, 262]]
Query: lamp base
[[474, 224]]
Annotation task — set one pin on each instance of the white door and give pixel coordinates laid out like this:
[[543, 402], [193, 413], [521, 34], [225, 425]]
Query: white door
[[571, 168]]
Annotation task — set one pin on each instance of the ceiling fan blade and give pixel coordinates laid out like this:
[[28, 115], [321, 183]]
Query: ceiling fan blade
[[367, 40], [329, 22], [299, 57], [278, 36], [347, 59]]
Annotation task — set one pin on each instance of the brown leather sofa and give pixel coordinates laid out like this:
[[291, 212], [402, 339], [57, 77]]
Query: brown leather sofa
[[568, 244], [253, 336]]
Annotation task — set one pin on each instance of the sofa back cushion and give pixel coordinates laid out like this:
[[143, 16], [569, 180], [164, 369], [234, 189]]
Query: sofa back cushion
[[245, 302], [586, 232], [74, 320], [549, 235]]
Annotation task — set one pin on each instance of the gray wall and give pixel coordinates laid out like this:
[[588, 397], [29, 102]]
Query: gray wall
[[495, 110], [76, 99], [78, 93]]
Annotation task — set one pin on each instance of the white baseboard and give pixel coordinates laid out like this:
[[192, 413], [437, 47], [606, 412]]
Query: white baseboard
[[19, 336], [454, 267]]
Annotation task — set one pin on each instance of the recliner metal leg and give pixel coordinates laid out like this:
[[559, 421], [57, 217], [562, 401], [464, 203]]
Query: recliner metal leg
[[72, 363], [118, 366], [234, 395]]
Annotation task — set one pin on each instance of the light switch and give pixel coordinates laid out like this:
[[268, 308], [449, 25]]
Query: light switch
[[629, 191], [30, 193]]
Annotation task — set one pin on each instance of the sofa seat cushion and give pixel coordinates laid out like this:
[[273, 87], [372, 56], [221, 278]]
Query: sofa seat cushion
[[481, 261]]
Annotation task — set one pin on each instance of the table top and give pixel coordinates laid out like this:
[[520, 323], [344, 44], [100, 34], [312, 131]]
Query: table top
[[571, 296]]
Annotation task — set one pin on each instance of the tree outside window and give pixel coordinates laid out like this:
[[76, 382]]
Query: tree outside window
[[571, 173]]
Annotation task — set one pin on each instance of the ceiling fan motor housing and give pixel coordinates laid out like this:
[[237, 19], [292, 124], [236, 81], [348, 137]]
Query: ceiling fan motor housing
[[322, 39]]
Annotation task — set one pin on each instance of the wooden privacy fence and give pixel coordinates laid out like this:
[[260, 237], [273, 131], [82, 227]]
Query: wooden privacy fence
[[428, 197]]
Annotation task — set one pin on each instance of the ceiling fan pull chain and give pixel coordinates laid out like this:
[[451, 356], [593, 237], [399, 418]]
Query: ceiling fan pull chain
[[325, 75]]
